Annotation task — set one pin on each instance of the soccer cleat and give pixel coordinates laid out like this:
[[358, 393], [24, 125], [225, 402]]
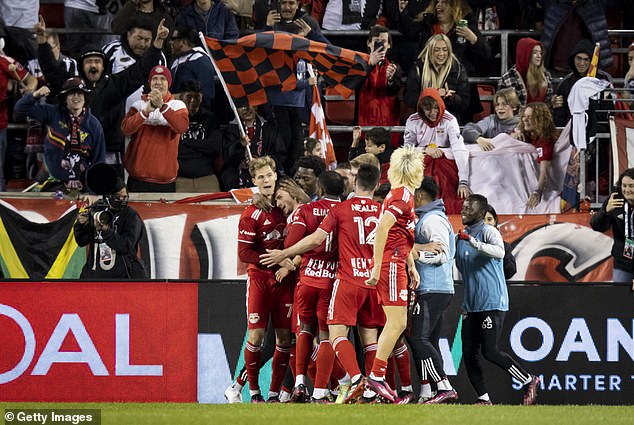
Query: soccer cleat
[[382, 389], [480, 402], [257, 398], [407, 397], [300, 394], [444, 397], [324, 400], [273, 399], [355, 392], [530, 392], [344, 390], [233, 393]]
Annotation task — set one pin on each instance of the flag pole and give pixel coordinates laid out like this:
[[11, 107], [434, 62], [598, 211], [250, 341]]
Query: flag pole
[[229, 98]]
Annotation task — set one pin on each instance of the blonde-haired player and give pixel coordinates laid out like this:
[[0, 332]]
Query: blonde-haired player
[[393, 243]]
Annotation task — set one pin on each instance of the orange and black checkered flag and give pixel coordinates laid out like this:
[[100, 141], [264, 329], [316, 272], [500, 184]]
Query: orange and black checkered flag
[[264, 62]]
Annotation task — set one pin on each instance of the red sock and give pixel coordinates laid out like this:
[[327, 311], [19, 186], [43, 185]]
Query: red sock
[[280, 363], [292, 362], [401, 355], [312, 364], [252, 363], [242, 378], [346, 355], [379, 368], [338, 372], [390, 372], [325, 362], [304, 349], [370, 353]]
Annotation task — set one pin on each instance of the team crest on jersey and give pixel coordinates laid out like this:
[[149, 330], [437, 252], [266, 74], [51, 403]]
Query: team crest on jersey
[[403, 294], [254, 318]]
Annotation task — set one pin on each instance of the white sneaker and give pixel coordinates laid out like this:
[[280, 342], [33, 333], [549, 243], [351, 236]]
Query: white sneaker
[[233, 393]]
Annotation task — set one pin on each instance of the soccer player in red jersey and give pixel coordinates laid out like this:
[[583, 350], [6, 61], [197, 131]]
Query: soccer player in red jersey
[[312, 295], [259, 230], [353, 223], [392, 246]]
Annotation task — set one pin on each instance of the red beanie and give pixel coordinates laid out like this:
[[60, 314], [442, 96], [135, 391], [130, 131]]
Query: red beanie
[[161, 70]]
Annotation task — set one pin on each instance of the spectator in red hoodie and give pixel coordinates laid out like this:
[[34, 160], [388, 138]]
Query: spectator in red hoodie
[[155, 124], [528, 77], [377, 98]]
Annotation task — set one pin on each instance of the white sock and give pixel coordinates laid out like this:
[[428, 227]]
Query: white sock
[[254, 392], [425, 390], [320, 393], [375, 378], [444, 385], [407, 389], [273, 394], [300, 380], [484, 397], [345, 380]]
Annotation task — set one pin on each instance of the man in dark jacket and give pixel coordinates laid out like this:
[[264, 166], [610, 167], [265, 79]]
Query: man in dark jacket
[[263, 138], [197, 150], [212, 18], [112, 230], [579, 61]]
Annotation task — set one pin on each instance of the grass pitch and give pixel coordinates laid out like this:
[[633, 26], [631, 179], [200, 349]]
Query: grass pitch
[[306, 414]]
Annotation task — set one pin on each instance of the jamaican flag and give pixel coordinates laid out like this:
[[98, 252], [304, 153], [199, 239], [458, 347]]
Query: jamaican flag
[[39, 251]]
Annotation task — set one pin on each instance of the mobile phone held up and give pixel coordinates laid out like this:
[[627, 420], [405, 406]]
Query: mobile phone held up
[[379, 45]]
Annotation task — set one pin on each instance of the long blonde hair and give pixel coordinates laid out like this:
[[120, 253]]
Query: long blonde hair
[[459, 9], [429, 75], [535, 76]]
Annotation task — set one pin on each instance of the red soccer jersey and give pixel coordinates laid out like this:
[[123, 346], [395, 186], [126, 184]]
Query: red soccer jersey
[[400, 203], [319, 265], [9, 69], [258, 231], [354, 225]]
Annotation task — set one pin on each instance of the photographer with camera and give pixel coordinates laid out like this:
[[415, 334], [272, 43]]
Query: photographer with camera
[[617, 213], [111, 229]]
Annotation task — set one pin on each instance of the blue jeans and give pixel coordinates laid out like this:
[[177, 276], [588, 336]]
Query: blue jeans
[[3, 154], [619, 275]]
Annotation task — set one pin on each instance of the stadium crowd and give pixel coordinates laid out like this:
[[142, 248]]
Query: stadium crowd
[[327, 250]]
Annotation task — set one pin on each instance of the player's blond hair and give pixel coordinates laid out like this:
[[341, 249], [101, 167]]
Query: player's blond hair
[[261, 162], [365, 159], [406, 167]]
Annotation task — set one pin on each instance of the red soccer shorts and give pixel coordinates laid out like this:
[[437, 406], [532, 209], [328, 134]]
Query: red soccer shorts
[[267, 297], [311, 304], [351, 304], [392, 286]]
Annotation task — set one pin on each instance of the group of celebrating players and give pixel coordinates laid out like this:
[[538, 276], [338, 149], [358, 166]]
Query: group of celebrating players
[[317, 269]]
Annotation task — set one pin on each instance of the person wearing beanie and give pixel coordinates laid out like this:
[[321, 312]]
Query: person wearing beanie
[[74, 139], [110, 91], [437, 133], [154, 124], [528, 77], [579, 62]]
